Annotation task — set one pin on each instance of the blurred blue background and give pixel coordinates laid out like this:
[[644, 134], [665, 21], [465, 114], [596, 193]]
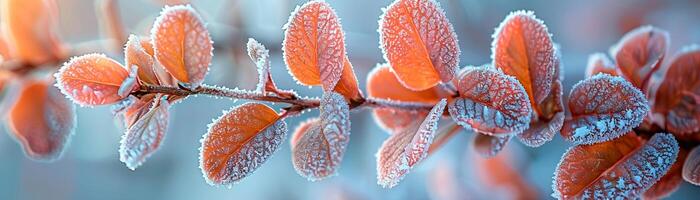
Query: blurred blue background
[[90, 167]]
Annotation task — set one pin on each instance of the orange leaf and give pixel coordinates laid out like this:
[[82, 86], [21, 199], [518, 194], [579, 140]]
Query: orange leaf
[[406, 148], [691, 167], [314, 45], [143, 137], [600, 63], [488, 146], [319, 149], [383, 84], [522, 47], [182, 44], [419, 43], [239, 142], [92, 79], [639, 53], [491, 103], [602, 108], [621, 168], [29, 29], [678, 94], [347, 85], [41, 120], [136, 55], [670, 182]]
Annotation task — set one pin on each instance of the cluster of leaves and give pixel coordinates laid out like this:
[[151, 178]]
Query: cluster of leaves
[[519, 94]]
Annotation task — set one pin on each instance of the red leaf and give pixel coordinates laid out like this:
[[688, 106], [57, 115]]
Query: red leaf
[[549, 121], [677, 98], [603, 108], [491, 103], [522, 47], [670, 182], [319, 150], [691, 168], [639, 53], [419, 43], [143, 137], [239, 142], [41, 120], [182, 44], [621, 168], [314, 45], [92, 79], [600, 63], [488, 146], [406, 148]]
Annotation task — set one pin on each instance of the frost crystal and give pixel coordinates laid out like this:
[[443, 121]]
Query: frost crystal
[[144, 137], [261, 56]]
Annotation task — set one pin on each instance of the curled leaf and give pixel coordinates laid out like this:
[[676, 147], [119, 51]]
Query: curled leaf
[[41, 120], [314, 45], [677, 95], [488, 146], [143, 137], [621, 168], [136, 55], [182, 44], [383, 84], [639, 53], [92, 79], [29, 27], [491, 103], [419, 43], [600, 63], [522, 47], [319, 150], [261, 57], [239, 142], [405, 149], [670, 182], [602, 108], [549, 122], [691, 167]]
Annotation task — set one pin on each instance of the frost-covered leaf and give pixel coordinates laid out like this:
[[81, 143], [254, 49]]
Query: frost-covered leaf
[[676, 99], [131, 109], [319, 149], [639, 53], [136, 55], [406, 148], [491, 102], [92, 79], [143, 137], [549, 122], [522, 47], [600, 63], [488, 146], [182, 44], [30, 30], [261, 57], [622, 168], [419, 43], [41, 119], [383, 84], [314, 45], [602, 108], [239, 142], [691, 168], [347, 85], [302, 129], [670, 182]]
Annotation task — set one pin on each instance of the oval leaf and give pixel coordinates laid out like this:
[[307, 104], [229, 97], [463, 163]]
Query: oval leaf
[[621, 168], [522, 47], [691, 167], [29, 29], [136, 55], [92, 79], [41, 120], [405, 149], [182, 44], [676, 99], [600, 63], [239, 142], [383, 84], [314, 45], [419, 43], [488, 146], [319, 150], [602, 108], [639, 53], [491, 103], [143, 137]]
